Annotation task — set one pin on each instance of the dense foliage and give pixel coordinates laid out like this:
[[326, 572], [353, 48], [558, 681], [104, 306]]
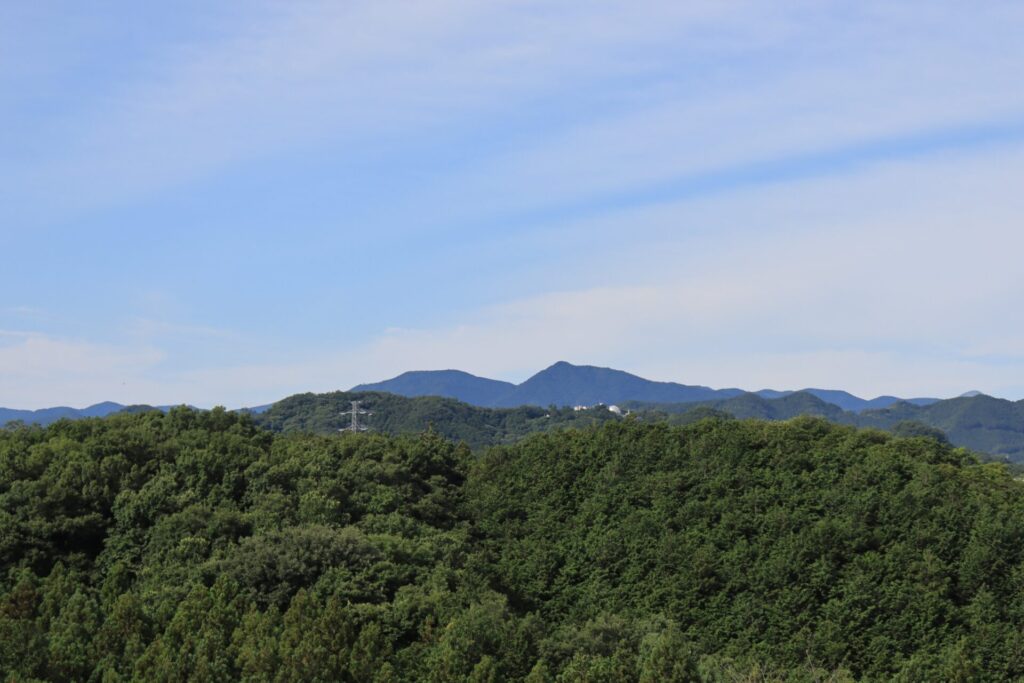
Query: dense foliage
[[198, 546]]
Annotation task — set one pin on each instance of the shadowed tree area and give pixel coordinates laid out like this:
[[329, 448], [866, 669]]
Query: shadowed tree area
[[197, 546]]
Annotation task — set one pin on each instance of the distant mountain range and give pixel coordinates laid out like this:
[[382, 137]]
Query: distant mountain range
[[565, 384], [46, 416], [562, 384], [484, 411]]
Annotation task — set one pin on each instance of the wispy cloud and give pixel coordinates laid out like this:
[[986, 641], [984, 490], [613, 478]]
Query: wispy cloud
[[829, 91], [306, 71], [35, 367], [718, 84], [147, 328], [24, 311]]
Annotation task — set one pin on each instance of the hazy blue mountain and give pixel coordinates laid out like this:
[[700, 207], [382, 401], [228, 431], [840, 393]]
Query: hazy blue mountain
[[101, 409], [565, 384], [256, 410], [772, 393], [45, 416], [145, 408], [753, 405], [782, 408], [846, 400], [456, 384]]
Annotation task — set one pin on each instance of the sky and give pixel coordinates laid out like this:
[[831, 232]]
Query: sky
[[228, 203]]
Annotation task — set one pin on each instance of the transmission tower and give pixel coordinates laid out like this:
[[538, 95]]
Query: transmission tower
[[355, 412]]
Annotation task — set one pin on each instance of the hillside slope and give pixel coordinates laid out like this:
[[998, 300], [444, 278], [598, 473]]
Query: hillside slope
[[983, 423], [395, 415]]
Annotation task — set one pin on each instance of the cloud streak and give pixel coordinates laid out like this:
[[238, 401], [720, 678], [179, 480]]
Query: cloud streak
[[309, 72], [301, 72], [36, 367]]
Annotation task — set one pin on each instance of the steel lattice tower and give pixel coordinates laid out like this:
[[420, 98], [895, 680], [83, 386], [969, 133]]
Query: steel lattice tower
[[355, 412]]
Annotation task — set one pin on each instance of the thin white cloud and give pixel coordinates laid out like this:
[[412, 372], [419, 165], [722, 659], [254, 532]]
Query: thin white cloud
[[35, 368], [830, 82], [148, 328], [314, 71], [308, 73]]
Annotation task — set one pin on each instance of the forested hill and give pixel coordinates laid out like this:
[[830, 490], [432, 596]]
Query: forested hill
[[981, 423], [394, 415], [196, 546], [985, 424]]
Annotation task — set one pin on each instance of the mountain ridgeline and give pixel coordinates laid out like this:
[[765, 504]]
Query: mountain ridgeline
[[484, 412], [562, 384], [565, 384]]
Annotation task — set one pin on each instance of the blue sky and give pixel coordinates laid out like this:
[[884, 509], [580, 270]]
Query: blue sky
[[225, 203]]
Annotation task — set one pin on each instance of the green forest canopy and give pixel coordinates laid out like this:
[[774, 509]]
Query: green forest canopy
[[987, 425], [198, 546]]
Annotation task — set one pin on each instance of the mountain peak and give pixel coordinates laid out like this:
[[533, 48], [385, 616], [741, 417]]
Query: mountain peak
[[564, 365], [451, 383]]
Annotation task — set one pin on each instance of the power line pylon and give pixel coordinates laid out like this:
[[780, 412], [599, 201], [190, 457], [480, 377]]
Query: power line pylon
[[355, 412]]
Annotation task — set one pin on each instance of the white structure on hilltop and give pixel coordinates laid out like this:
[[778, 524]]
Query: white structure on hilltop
[[612, 409]]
